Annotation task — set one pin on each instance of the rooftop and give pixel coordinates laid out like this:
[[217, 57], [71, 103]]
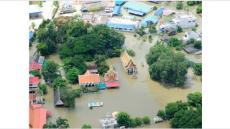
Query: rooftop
[[34, 80], [37, 116], [88, 78], [138, 6]]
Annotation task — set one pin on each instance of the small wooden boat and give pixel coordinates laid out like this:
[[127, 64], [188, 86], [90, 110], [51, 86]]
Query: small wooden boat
[[95, 104]]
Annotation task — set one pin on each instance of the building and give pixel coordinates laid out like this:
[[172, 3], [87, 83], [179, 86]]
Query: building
[[108, 122], [149, 21], [92, 68], [57, 98], [37, 116], [88, 79], [169, 28], [33, 83], [67, 7], [190, 49], [34, 11], [191, 35], [116, 10], [159, 12], [31, 33], [119, 2], [137, 8], [185, 21], [128, 64], [122, 24], [35, 66], [111, 78]]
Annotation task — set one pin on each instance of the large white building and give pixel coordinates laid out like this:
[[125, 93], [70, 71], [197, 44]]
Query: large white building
[[185, 21]]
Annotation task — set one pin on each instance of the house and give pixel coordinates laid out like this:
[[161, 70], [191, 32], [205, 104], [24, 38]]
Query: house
[[92, 68], [159, 11], [185, 21], [35, 66], [128, 64], [119, 2], [67, 7], [108, 122], [190, 49], [111, 78], [137, 8], [34, 11], [116, 10], [88, 79], [169, 28], [57, 98], [149, 21], [191, 35], [33, 83], [122, 24], [37, 116]]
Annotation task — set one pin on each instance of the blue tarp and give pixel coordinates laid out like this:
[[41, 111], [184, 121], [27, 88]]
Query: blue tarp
[[119, 2], [149, 20], [138, 6], [30, 34], [117, 10], [159, 11], [101, 86], [121, 26]]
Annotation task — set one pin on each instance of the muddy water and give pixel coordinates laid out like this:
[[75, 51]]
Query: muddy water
[[138, 97]]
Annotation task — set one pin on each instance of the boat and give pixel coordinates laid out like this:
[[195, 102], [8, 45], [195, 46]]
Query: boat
[[95, 104]]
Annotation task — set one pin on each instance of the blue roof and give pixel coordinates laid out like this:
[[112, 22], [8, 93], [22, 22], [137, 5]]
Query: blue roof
[[120, 25], [119, 2], [149, 20], [136, 12], [159, 11], [117, 10], [138, 6], [30, 34]]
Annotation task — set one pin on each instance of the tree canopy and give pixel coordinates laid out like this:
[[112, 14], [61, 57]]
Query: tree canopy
[[167, 66], [197, 68], [49, 70]]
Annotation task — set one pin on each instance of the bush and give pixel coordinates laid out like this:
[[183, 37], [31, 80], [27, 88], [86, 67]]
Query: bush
[[197, 44], [146, 120], [199, 9], [59, 82], [161, 114], [179, 5], [36, 73], [138, 121], [86, 126], [179, 29], [174, 42], [131, 52], [197, 69], [191, 41], [123, 119], [43, 88]]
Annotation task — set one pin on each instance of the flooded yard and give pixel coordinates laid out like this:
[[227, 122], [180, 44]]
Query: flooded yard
[[138, 97]]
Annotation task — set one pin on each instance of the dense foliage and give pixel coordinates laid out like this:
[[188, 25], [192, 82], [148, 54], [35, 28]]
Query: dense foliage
[[131, 52], [58, 83], [36, 73], [199, 9], [167, 66], [68, 97], [197, 68], [123, 119], [191, 3], [174, 42], [49, 71], [43, 88], [179, 5], [72, 75], [184, 114], [61, 123], [86, 126], [197, 44]]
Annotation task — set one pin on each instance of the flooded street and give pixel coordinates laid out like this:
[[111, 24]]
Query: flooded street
[[138, 97]]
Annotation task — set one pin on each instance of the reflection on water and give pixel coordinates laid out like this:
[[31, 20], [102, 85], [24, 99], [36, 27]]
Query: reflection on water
[[139, 97]]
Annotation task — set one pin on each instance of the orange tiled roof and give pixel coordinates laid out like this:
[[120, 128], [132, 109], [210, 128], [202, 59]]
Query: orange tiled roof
[[37, 117], [89, 78]]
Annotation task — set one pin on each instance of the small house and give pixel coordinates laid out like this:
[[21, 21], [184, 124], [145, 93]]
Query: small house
[[35, 66], [128, 64], [108, 122], [147, 21], [191, 35], [37, 116], [33, 83], [57, 98], [41, 60], [88, 79], [88, 18], [122, 24], [159, 11], [168, 28], [185, 21], [190, 49], [31, 33], [119, 2], [116, 10], [111, 78]]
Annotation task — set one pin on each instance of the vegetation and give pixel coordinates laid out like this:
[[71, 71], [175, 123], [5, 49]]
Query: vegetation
[[184, 114], [179, 5], [123, 119], [152, 29], [146, 120], [36, 73], [49, 71], [197, 69], [138, 121], [174, 42], [101, 64], [141, 31], [199, 9], [59, 82], [68, 97], [179, 29], [43, 88], [72, 75], [131, 52], [167, 66], [61, 123], [197, 44], [86, 126], [191, 3]]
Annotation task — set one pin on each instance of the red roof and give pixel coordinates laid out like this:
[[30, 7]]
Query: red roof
[[37, 115], [88, 78], [34, 80], [112, 84], [35, 66]]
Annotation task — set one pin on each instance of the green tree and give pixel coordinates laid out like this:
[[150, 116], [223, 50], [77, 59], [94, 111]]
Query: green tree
[[179, 5], [86, 126], [33, 25], [161, 113], [152, 29], [146, 120], [62, 123], [56, 3], [174, 42], [195, 99], [172, 108], [138, 121], [197, 68], [49, 71], [72, 75], [131, 52], [43, 88], [50, 125], [123, 119], [199, 9], [179, 29], [197, 44], [141, 31], [59, 82], [68, 97], [36, 73]]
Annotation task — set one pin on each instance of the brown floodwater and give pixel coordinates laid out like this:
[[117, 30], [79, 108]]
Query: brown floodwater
[[139, 97]]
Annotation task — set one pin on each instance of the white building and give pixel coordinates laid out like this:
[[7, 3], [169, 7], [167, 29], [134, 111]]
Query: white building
[[192, 35], [185, 21]]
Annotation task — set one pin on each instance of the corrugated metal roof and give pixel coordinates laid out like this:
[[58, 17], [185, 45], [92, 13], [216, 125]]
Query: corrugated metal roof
[[138, 6]]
